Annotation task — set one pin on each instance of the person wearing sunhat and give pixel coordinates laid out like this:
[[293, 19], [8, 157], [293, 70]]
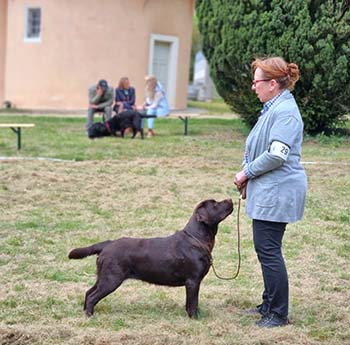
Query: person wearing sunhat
[[101, 98]]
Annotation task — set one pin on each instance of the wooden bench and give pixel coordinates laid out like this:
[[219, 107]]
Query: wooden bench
[[16, 127], [184, 118]]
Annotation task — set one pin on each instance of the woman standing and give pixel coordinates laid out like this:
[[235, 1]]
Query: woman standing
[[274, 180], [155, 103]]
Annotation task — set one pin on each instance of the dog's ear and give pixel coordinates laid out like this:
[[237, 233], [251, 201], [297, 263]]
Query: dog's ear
[[202, 214]]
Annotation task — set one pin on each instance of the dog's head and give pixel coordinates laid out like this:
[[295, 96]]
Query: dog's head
[[212, 212], [97, 130]]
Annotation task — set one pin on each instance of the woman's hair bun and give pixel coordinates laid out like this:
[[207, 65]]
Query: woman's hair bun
[[293, 71]]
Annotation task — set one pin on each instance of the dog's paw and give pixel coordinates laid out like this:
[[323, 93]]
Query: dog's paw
[[88, 314], [193, 315]]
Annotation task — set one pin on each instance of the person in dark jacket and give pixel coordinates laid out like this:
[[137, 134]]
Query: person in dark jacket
[[124, 96]]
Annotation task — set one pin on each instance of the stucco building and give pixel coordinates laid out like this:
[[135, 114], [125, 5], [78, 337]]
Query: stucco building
[[51, 51]]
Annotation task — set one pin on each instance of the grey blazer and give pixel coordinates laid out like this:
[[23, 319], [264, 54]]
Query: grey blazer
[[276, 189]]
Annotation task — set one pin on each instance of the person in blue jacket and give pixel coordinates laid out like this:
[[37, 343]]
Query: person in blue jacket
[[124, 96], [155, 102], [273, 180]]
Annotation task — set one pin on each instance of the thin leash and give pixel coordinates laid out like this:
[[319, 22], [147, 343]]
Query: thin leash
[[238, 246]]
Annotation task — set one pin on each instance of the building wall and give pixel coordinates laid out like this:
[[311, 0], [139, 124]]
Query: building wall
[[3, 12], [84, 41]]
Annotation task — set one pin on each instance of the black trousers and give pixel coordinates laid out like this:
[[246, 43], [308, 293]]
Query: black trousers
[[268, 246]]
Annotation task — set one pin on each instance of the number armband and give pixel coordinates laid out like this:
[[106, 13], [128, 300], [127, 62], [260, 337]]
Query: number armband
[[279, 149]]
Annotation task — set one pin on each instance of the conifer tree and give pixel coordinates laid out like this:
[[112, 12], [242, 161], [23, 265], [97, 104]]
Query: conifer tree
[[315, 34]]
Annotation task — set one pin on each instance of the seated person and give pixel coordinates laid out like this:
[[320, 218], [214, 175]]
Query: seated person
[[100, 100], [155, 103], [124, 96]]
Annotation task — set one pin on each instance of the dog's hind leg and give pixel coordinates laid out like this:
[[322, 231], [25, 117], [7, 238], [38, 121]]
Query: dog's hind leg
[[103, 289], [141, 128], [109, 277], [192, 291], [88, 293]]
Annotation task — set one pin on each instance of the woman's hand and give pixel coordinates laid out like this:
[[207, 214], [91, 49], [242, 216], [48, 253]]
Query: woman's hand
[[141, 107], [241, 183], [240, 179]]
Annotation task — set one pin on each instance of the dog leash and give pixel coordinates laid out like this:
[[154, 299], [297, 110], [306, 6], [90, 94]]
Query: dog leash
[[238, 246]]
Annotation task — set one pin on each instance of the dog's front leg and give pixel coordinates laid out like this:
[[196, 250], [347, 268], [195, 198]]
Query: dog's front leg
[[192, 291]]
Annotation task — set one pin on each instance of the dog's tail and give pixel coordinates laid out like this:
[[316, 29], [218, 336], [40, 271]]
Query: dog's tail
[[80, 253], [145, 116]]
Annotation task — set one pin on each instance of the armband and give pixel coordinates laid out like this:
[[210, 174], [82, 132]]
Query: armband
[[279, 149]]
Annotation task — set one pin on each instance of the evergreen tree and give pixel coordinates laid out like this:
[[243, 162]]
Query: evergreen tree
[[315, 34]]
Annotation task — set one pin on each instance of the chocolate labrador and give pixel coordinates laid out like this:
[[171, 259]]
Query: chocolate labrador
[[181, 259]]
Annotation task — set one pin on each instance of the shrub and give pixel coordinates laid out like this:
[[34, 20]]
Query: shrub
[[315, 34]]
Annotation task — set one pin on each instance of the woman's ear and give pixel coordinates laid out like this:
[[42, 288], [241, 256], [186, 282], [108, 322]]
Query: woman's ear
[[273, 84]]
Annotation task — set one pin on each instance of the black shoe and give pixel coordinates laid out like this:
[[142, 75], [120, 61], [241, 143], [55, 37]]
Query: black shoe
[[258, 310], [272, 320]]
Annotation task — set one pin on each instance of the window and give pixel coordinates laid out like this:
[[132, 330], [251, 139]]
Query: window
[[33, 25]]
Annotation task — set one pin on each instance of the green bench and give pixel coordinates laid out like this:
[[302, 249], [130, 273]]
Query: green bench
[[17, 128], [184, 118]]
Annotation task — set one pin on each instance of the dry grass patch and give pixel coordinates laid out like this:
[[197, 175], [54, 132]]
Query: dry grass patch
[[50, 207]]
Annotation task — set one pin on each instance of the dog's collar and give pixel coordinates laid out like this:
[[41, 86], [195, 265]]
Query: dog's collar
[[200, 245]]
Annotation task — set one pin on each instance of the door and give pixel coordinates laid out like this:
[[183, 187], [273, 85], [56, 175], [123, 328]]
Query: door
[[160, 64]]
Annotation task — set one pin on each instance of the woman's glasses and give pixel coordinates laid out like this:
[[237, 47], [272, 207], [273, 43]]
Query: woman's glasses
[[254, 82]]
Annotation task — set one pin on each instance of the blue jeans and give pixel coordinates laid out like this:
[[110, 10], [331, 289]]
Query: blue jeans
[[150, 122], [268, 246]]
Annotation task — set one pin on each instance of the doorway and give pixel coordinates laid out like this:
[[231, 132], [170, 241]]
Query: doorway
[[163, 63]]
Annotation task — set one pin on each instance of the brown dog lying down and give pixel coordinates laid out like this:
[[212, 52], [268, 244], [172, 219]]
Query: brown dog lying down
[[181, 259]]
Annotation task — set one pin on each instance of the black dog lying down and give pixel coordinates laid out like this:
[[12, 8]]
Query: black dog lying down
[[181, 259], [119, 123]]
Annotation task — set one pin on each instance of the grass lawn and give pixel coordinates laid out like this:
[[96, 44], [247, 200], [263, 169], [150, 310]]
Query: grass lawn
[[216, 106], [112, 187]]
